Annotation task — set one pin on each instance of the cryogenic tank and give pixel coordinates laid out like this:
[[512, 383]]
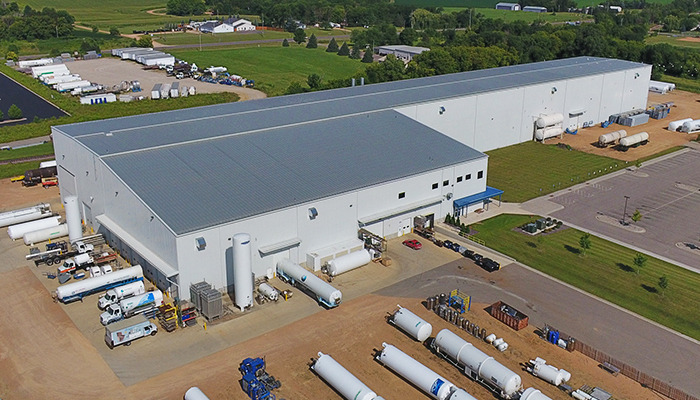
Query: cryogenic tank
[[502, 347], [17, 231], [242, 271], [341, 379], [194, 393], [82, 259], [490, 338], [24, 215], [348, 262], [549, 120], [415, 326], [474, 360], [461, 394], [42, 235], [546, 133], [549, 373], [418, 374], [269, 291], [87, 285], [73, 219], [611, 137], [675, 125], [634, 139], [691, 126], [295, 273], [533, 394]]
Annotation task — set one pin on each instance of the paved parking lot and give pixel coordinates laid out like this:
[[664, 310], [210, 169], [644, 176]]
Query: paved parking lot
[[666, 193]]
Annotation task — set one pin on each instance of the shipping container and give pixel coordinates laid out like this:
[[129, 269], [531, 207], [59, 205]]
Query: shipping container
[[509, 315]]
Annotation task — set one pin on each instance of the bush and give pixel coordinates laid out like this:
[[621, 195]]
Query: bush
[[114, 31], [2, 115], [11, 55], [332, 46], [313, 42], [14, 112], [344, 50], [54, 52], [355, 53], [13, 48], [145, 41], [285, 43], [89, 44], [367, 58]]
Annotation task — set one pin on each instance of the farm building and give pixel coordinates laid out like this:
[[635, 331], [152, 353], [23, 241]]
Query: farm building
[[228, 25], [536, 9], [302, 174], [508, 6], [405, 53]]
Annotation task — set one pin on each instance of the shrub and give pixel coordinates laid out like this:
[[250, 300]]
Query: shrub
[[285, 43], [14, 112]]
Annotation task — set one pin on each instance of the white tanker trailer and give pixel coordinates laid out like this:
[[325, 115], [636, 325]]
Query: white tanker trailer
[[297, 275], [25, 214], [85, 287], [610, 138], [634, 140], [341, 379], [415, 326]]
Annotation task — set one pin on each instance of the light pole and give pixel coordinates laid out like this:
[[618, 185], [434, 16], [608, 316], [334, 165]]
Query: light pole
[[624, 213]]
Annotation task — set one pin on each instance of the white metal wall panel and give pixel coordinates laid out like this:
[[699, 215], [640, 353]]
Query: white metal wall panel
[[583, 94], [457, 121], [335, 223], [545, 99], [636, 89], [498, 119], [613, 93]]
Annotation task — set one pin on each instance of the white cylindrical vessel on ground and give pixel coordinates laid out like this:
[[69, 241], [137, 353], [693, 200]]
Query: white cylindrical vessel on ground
[[348, 262], [194, 393], [18, 231], [634, 139], [341, 379], [676, 125], [418, 374], [690, 126], [87, 285], [478, 362], [45, 234], [549, 120], [242, 271], [324, 292], [611, 137], [490, 338], [533, 394], [413, 325], [73, 219], [546, 133], [268, 291], [25, 214]]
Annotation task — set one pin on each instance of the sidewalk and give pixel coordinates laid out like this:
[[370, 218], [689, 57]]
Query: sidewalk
[[27, 142]]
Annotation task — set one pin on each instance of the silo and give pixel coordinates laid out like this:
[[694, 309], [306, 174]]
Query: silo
[[242, 271], [75, 226]]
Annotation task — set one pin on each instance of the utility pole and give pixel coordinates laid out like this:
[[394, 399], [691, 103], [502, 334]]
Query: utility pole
[[624, 213]]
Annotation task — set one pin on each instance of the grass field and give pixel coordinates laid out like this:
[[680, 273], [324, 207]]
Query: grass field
[[690, 85], [10, 170], [274, 68], [66, 45], [549, 169], [192, 38], [673, 40], [489, 3], [530, 16], [607, 271], [38, 150]]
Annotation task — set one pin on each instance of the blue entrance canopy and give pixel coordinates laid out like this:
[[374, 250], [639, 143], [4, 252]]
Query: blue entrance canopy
[[475, 198]]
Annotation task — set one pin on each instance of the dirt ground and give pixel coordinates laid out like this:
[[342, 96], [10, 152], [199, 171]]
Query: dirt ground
[[690, 39], [109, 71], [685, 105], [15, 196]]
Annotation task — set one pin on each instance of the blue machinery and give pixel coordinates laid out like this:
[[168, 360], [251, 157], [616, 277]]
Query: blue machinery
[[255, 381]]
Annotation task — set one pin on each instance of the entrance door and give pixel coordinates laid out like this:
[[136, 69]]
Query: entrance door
[[404, 226]]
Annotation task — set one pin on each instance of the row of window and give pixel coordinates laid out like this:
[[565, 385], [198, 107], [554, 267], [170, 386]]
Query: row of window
[[479, 175]]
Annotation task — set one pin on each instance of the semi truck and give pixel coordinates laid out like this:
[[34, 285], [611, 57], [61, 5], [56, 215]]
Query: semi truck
[[114, 295], [78, 290], [125, 332], [131, 306], [59, 252]]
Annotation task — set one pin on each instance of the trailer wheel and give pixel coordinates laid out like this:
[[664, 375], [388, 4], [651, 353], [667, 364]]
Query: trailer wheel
[[49, 262], [154, 333], [127, 344], [56, 260]]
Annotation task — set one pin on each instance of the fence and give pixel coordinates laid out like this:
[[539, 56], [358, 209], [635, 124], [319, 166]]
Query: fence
[[472, 238]]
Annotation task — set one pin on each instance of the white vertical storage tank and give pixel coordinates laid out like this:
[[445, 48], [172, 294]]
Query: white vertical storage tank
[[341, 379], [348, 262], [418, 374], [242, 271], [25, 214], [413, 325], [73, 219], [42, 235], [18, 231]]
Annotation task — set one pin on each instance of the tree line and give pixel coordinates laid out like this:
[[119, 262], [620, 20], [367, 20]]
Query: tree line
[[30, 24]]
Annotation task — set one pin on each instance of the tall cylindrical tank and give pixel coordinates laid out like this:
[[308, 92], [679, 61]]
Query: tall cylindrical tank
[[415, 326], [348, 262], [24, 215], [17, 231], [73, 219], [549, 120], [268, 291], [474, 360], [533, 394], [611, 137], [87, 285], [676, 125], [341, 379], [324, 292], [45, 234], [194, 393], [242, 271], [418, 374], [634, 139]]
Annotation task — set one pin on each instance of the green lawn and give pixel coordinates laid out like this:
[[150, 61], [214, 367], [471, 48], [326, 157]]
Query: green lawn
[[450, 3], [549, 169], [673, 40], [193, 38], [38, 150], [530, 16], [690, 85], [607, 271], [274, 68], [10, 170]]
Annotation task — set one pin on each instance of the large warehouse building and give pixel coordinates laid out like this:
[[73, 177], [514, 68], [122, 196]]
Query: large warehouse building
[[301, 174]]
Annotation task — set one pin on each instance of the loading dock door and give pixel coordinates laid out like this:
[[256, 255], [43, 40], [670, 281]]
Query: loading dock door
[[404, 226]]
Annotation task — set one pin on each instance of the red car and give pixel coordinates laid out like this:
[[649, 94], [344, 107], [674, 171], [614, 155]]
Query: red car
[[413, 243]]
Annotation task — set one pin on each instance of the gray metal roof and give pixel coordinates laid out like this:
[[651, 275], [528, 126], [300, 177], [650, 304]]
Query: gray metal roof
[[211, 182]]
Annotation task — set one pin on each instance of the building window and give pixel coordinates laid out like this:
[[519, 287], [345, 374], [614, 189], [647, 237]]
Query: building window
[[459, 179], [480, 175], [467, 177], [402, 195], [435, 185], [445, 183]]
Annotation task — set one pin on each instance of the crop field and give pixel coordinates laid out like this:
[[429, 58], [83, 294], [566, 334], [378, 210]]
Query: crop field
[[606, 270], [274, 68]]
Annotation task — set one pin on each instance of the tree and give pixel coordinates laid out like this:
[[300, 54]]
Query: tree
[[408, 36], [314, 81], [663, 284], [332, 46], [89, 44], [14, 112], [294, 88], [367, 57], [313, 42], [355, 53], [639, 261], [114, 31], [285, 43], [144, 41], [344, 50], [185, 7], [299, 36], [11, 55], [95, 29], [636, 216], [585, 243]]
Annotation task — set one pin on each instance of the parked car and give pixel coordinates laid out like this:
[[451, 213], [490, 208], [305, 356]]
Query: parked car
[[448, 244], [469, 253], [477, 258], [413, 243], [490, 265]]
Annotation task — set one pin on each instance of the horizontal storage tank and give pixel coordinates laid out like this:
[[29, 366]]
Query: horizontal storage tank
[[610, 138], [416, 373], [634, 139], [341, 379], [413, 325], [17, 231], [546, 133], [479, 363], [676, 125], [45, 234], [25, 214], [195, 393], [325, 293], [533, 394], [549, 373], [348, 262], [268, 291], [549, 120], [691, 126]]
